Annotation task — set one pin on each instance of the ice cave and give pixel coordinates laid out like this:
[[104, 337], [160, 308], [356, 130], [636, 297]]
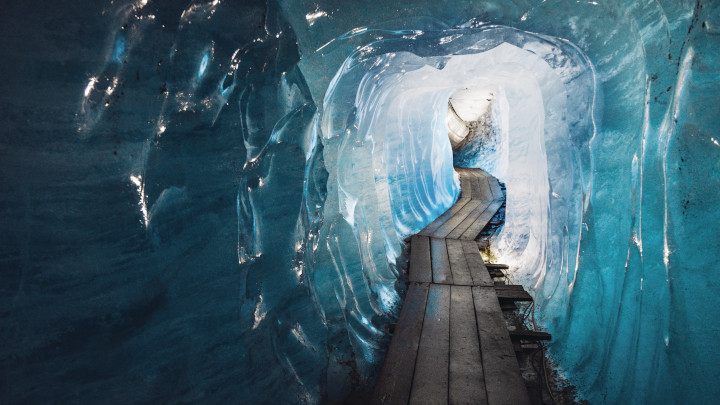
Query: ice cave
[[343, 201]]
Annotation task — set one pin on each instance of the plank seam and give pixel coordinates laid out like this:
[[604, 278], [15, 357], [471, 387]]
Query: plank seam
[[477, 332], [449, 339], [417, 350]]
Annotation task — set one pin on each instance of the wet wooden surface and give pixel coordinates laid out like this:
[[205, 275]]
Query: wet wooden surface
[[451, 343]]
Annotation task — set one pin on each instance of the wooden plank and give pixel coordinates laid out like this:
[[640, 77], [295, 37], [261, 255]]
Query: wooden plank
[[430, 229], [503, 381], [472, 180], [468, 221], [508, 286], [474, 230], [465, 186], [506, 294], [467, 383], [443, 230], [420, 259], [458, 265], [476, 266], [496, 273], [497, 266], [481, 190], [476, 188], [487, 189], [530, 335], [430, 383], [495, 188], [441, 272], [395, 380]]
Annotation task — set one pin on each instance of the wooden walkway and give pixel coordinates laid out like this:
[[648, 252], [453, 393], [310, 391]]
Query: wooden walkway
[[451, 343]]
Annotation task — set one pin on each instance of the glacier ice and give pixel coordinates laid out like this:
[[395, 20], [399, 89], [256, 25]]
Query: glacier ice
[[208, 201]]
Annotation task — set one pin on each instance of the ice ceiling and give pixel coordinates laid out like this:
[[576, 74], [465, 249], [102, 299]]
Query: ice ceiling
[[208, 201]]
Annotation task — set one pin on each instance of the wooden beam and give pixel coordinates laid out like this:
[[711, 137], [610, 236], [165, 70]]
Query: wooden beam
[[486, 189], [481, 221], [450, 224], [462, 227], [467, 381], [458, 264], [495, 273], [495, 187], [506, 294], [478, 272], [441, 272], [465, 186], [497, 266], [420, 269], [503, 381], [396, 377], [503, 286], [439, 221], [430, 383], [531, 335]]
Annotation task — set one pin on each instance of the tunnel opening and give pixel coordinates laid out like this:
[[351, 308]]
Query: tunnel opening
[[402, 121], [470, 114]]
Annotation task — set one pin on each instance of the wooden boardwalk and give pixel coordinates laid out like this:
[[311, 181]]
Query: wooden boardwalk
[[451, 343]]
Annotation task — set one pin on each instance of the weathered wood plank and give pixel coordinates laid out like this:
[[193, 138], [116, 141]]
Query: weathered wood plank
[[430, 383], [488, 189], [441, 272], [481, 190], [395, 380], [508, 286], [474, 186], [467, 384], [430, 229], [476, 266], [420, 259], [529, 335], [511, 294], [474, 230], [443, 230], [458, 265], [466, 186], [503, 381], [462, 227], [495, 188], [472, 179], [495, 272]]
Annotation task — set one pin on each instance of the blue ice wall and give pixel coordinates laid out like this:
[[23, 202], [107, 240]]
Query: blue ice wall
[[206, 202]]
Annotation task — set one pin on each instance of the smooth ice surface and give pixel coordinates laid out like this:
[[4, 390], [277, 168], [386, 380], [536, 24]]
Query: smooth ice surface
[[207, 201]]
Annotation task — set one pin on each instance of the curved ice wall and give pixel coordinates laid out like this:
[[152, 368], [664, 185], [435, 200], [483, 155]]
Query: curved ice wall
[[207, 201]]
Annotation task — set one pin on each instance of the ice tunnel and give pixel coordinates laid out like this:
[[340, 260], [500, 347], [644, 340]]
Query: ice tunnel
[[219, 201]]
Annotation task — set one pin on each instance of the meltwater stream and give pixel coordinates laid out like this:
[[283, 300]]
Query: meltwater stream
[[207, 201]]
